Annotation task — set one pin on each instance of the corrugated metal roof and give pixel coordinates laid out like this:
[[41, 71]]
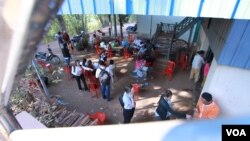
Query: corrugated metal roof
[[238, 9]]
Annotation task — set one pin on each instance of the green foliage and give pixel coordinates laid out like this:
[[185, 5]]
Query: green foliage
[[74, 25], [132, 18], [82, 44], [78, 22]]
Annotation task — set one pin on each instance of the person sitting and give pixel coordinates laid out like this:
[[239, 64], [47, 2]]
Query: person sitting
[[164, 109], [125, 43], [206, 107], [103, 57], [142, 50], [137, 43]]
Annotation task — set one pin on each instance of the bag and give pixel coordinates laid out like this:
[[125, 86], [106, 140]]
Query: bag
[[104, 77], [121, 101]]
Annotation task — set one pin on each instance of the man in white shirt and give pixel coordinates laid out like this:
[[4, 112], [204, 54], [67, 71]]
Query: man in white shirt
[[129, 104], [77, 72], [196, 65], [104, 75]]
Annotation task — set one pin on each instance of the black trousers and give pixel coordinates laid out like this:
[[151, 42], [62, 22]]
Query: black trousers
[[128, 114], [78, 80]]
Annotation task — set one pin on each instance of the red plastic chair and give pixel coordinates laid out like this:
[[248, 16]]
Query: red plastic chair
[[110, 52], [183, 61], [67, 71], [169, 70], [136, 89], [100, 116]]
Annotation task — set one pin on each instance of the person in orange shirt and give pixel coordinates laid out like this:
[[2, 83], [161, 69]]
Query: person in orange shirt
[[206, 107]]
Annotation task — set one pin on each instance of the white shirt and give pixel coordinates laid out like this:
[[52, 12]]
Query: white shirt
[[112, 67], [197, 62], [96, 65], [98, 71], [77, 71], [137, 42], [128, 101], [142, 50]]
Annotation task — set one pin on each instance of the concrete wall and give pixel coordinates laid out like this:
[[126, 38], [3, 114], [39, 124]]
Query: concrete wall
[[144, 23], [230, 88], [203, 40]]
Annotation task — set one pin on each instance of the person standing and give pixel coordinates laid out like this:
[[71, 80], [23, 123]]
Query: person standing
[[65, 37], [205, 72], [112, 69], [129, 104], [59, 39], [66, 54], [104, 74], [76, 70], [196, 66]]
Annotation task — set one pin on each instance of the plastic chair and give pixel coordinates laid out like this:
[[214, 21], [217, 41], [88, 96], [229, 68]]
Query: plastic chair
[[100, 116], [183, 61], [67, 71], [110, 52], [136, 89], [169, 70]]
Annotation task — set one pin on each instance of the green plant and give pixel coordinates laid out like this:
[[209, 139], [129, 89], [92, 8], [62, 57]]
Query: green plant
[[82, 44]]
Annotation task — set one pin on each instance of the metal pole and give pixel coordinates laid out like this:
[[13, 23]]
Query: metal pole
[[45, 89], [115, 25], [171, 44], [151, 27], [190, 36]]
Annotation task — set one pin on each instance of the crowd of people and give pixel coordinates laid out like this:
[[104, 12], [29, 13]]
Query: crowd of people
[[102, 75]]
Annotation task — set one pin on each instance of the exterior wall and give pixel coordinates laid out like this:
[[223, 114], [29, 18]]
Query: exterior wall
[[217, 31], [236, 51], [203, 40], [144, 24], [230, 89], [229, 40]]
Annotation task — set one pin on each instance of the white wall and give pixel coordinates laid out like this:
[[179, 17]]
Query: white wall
[[231, 89], [204, 40], [144, 23]]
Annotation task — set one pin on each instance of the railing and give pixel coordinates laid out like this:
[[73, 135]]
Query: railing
[[44, 87], [169, 28], [184, 25]]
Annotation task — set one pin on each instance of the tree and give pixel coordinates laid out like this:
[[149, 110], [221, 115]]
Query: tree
[[61, 22], [122, 19]]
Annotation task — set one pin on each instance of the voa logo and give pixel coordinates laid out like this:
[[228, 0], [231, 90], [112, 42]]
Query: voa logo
[[236, 132]]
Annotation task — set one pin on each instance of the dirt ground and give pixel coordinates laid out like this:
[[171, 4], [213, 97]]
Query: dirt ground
[[146, 104]]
